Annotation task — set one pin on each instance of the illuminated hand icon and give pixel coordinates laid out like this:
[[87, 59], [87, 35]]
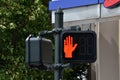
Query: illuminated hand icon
[[69, 47]]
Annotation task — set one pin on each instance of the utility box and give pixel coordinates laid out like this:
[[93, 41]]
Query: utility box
[[38, 51]]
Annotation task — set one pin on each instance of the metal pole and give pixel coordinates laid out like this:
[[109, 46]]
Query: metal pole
[[58, 24], [89, 72]]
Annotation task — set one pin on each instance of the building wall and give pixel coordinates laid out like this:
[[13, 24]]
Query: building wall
[[106, 23], [107, 66], [109, 50]]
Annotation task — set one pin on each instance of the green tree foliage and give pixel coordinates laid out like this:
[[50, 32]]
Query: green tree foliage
[[18, 19], [77, 72]]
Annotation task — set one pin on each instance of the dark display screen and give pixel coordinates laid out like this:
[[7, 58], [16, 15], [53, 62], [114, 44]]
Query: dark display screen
[[79, 46]]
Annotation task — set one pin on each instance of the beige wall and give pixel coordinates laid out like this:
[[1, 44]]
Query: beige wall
[[109, 50], [119, 50]]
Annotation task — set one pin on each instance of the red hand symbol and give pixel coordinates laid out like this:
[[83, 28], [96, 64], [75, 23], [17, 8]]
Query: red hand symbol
[[68, 47]]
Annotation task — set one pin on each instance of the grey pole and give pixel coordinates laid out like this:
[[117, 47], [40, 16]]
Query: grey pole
[[58, 25]]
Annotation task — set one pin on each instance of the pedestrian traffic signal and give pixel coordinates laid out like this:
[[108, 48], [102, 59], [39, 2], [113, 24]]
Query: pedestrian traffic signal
[[78, 46], [38, 51]]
